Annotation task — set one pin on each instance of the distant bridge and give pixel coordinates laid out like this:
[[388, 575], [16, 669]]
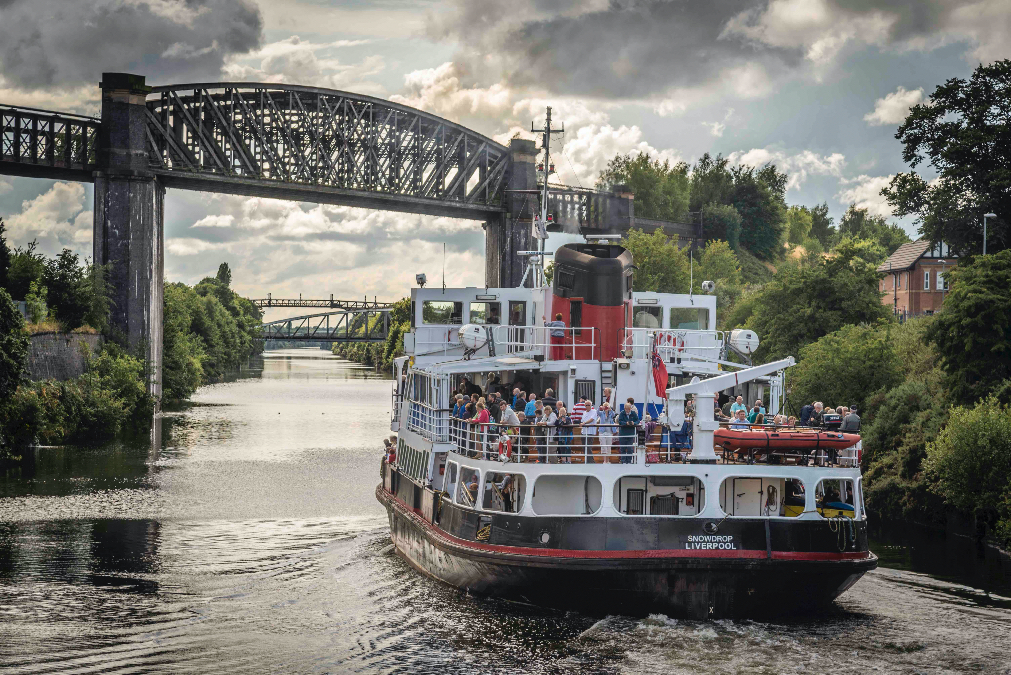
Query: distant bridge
[[330, 303], [346, 325]]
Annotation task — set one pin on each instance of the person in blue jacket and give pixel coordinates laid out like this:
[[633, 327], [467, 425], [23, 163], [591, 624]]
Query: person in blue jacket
[[628, 420]]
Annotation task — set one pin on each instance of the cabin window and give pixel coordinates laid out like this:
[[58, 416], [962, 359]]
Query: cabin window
[[469, 488], [834, 497], [647, 317], [566, 495], [486, 313], [450, 482], [762, 496], [659, 495], [504, 492], [442, 312], [689, 318]]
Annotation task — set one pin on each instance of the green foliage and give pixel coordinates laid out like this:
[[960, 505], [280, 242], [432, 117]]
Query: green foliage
[[963, 130], [711, 182], [661, 189], [13, 348], [821, 226], [208, 331], [662, 267], [224, 274], [972, 332], [722, 221], [801, 304], [845, 366], [798, 224], [76, 293], [753, 270], [971, 459], [867, 250], [5, 255], [858, 224], [26, 266], [759, 196], [35, 302]]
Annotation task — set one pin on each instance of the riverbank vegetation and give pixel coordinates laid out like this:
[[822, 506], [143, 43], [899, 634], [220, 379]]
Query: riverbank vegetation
[[380, 354], [209, 330]]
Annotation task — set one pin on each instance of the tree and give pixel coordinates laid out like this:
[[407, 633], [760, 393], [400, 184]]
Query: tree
[[13, 348], [661, 266], [224, 274], [821, 226], [971, 459], [801, 304], [35, 303], [722, 221], [26, 266], [857, 223], [972, 332], [846, 366], [868, 250], [718, 263], [661, 189], [759, 196], [798, 224], [965, 131], [711, 182], [5, 256]]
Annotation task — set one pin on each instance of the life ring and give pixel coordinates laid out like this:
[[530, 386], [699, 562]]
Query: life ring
[[505, 449], [669, 340]]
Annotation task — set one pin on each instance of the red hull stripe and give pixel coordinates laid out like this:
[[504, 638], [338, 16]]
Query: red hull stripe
[[654, 553]]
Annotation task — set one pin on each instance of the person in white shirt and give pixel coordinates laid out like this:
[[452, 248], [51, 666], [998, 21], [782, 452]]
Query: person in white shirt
[[605, 435], [590, 418], [549, 420]]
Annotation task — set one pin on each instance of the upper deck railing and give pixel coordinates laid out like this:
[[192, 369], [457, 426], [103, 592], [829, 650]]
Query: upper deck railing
[[672, 343], [575, 344]]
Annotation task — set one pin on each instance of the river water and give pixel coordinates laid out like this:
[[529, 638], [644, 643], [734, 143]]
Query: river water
[[246, 538]]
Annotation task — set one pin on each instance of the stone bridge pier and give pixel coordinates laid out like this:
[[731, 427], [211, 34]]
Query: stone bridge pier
[[511, 231], [129, 222]]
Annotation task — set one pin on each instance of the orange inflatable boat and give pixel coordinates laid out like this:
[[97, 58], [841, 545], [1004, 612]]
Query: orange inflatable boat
[[783, 439]]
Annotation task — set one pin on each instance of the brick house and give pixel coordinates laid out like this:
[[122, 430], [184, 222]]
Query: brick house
[[912, 278]]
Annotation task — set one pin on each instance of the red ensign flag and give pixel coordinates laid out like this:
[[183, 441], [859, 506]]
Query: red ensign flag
[[659, 374]]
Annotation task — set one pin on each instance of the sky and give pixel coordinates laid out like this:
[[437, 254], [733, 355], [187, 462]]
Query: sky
[[816, 86]]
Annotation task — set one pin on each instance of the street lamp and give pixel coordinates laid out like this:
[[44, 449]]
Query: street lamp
[[985, 216]]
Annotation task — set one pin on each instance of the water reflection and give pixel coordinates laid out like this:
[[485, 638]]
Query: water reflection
[[247, 539]]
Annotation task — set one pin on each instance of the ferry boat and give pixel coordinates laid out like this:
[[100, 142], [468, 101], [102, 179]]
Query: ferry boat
[[654, 518]]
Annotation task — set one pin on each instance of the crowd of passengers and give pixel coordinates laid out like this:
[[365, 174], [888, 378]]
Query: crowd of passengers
[[526, 426], [737, 415]]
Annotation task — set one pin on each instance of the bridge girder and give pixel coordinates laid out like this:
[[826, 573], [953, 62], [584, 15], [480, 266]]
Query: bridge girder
[[348, 325]]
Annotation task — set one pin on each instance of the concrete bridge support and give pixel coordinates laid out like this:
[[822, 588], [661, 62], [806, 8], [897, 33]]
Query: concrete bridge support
[[129, 221], [511, 232]]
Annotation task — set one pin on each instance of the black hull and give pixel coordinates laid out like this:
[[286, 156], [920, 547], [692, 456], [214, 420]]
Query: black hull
[[739, 584]]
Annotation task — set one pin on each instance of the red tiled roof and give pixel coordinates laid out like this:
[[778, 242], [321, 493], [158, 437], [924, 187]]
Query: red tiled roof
[[905, 256]]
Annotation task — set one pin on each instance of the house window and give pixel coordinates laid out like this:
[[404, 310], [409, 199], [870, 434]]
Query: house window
[[942, 281], [926, 280]]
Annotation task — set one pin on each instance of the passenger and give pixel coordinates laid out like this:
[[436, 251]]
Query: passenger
[[551, 444], [557, 330], [741, 422], [851, 423], [738, 405], [521, 402], [494, 410], [531, 406], [540, 436], [505, 488], [605, 434], [516, 395], [563, 432], [508, 417], [479, 427], [805, 414], [627, 420], [493, 383], [471, 488], [579, 409], [718, 414], [753, 414], [761, 406], [816, 416], [792, 421], [588, 422], [609, 397], [549, 398], [759, 419]]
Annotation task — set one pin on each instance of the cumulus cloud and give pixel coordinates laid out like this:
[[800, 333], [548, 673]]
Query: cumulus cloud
[[797, 166], [865, 192], [5, 185], [56, 219], [893, 108], [56, 44], [297, 61]]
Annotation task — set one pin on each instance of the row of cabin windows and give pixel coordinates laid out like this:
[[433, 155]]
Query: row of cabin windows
[[684, 318], [449, 312], [941, 283]]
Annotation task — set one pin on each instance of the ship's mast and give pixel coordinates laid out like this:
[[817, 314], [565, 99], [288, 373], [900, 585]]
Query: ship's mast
[[541, 222]]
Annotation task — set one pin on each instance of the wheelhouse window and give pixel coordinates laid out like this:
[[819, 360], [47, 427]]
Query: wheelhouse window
[[566, 495], [486, 313], [758, 497], [504, 492], [659, 495], [835, 497], [469, 488], [644, 316], [689, 318], [441, 312]]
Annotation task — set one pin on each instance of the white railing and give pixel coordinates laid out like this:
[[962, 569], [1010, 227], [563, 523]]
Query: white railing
[[703, 345], [577, 343], [530, 443], [431, 423]]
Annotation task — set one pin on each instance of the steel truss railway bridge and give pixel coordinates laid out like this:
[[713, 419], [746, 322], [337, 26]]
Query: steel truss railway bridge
[[284, 142], [346, 325]]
